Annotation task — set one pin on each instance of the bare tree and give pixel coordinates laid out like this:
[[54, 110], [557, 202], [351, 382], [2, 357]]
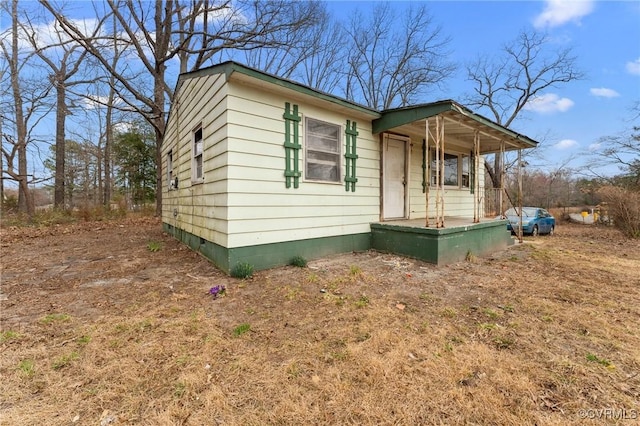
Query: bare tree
[[523, 70], [314, 55], [394, 59], [621, 150], [65, 58], [27, 96], [194, 32]]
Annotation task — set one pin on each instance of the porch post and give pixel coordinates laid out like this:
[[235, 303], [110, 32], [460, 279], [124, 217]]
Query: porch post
[[437, 157], [501, 189], [476, 181], [427, 171], [520, 195], [440, 132], [439, 154]]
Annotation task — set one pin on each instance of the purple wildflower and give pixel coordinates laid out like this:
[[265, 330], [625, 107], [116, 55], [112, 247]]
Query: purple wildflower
[[217, 290]]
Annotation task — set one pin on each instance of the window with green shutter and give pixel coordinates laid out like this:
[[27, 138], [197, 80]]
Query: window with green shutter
[[291, 145]]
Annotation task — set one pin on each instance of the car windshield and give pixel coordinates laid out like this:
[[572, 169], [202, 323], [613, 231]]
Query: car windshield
[[526, 212]]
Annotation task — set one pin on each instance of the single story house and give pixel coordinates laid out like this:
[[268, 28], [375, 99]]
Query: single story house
[[260, 169]]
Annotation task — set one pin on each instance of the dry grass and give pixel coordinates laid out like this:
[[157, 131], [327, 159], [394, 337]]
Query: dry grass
[[529, 336]]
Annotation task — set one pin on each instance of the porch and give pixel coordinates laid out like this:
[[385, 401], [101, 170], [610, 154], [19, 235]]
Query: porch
[[432, 166], [444, 245]]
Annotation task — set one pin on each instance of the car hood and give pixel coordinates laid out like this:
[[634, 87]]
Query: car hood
[[516, 219]]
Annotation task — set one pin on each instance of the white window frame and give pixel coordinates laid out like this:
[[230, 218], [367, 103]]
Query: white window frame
[[459, 170], [197, 155], [463, 173], [170, 182], [308, 137]]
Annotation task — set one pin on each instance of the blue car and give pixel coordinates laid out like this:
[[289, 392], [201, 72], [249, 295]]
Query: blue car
[[535, 221]]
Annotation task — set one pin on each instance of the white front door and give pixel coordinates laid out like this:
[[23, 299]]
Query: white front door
[[394, 158]]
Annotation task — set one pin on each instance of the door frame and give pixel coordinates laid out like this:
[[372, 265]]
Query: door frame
[[407, 157]]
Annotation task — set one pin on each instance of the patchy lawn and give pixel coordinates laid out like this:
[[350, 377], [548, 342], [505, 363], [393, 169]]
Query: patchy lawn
[[112, 323]]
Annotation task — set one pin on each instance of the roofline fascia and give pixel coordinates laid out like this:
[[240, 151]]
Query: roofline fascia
[[231, 67], [399, 116]]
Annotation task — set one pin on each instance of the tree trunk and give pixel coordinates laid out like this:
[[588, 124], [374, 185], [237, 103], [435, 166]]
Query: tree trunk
[[1, 170], [61, 107], [158, 151], [496, 176], [106, 200], [25, 201]]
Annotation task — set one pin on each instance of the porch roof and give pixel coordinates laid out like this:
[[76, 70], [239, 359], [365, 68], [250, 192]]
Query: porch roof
[[460, 125]]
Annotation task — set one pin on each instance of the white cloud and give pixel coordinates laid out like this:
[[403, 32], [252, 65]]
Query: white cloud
[[566, 144], [122, 127], [96, 102], [633, 67], [603, 92], [548, 104], [594, 147], [559, 12]]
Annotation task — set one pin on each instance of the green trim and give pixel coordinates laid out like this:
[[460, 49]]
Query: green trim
[[442, 245], [229, 68], [291, 145], [351, 134], [216, 253], [424, 166], [472, 173], [266, 256], [400, 116]]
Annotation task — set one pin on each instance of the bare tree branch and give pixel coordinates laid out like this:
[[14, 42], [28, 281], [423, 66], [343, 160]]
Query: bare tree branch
[[523, 70]]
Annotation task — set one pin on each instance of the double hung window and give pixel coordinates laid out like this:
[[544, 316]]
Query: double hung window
[[322, 151], [455, 170]]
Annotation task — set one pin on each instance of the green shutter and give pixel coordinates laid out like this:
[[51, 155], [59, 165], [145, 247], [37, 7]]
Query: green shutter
[[350, 156], [291, 145], [472, 173], [424, 166]]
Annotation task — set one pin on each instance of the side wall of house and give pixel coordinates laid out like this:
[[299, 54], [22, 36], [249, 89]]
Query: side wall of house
[[242, 211], [197, 208], [267, 220]]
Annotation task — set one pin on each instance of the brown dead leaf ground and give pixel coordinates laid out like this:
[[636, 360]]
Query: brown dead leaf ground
[[99, 330]]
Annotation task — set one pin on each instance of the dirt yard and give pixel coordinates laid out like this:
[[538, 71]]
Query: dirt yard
[[112, 323]]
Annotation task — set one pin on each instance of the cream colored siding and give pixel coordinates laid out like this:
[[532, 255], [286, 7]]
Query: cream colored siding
[[262, 210], [243, 200], [457, 201], [200, 207]]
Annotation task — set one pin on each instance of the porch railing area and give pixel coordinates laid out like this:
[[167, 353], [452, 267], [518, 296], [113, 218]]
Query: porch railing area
[[495, 202]]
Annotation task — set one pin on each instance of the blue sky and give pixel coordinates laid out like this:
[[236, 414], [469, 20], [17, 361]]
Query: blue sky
[[569, 120]]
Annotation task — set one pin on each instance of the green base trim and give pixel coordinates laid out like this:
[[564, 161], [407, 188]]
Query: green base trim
[[267, 256], [444, 245], [440, 246]]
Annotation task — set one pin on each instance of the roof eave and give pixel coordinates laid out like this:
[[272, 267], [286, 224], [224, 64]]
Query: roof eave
[[401, 116], [230, 68]]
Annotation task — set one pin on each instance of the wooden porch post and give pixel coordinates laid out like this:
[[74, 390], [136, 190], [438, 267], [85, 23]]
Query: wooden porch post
[[427, 171], [520, 195], [476, 180], [501, 189], [440, 131], [439, 154]]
